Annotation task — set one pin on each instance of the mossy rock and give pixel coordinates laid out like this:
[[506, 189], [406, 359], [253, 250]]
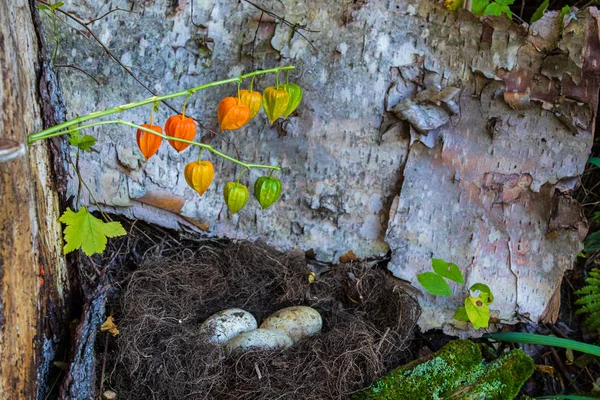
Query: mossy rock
[[456, 371]]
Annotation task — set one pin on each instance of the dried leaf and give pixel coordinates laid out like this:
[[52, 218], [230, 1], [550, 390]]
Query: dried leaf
[[110, 326], [109, 394], [348, 257], [545, 369]]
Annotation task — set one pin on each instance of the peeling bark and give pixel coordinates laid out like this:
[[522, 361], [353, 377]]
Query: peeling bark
[[422, 131]]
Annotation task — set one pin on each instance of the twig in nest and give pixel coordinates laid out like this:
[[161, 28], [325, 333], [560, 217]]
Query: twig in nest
[[295, 27], [78, 69]]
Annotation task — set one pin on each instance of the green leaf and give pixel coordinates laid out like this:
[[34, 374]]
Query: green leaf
[[531, 338], [594, 161], [505, 2], [84, 142], [478, 6], [497, 10], [485, 293], [43, 7], [483, 288], [447, 270], [56, 5], [88, 232], [461, 314], [478, 312], [434, 284], [564, 11], [592, 242], [539, 12]]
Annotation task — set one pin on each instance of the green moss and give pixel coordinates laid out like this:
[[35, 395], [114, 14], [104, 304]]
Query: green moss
[[430, 378], [457, 372]]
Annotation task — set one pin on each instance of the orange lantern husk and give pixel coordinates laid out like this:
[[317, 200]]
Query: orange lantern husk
[[180, 127], [199, 175], [232, 114], [147, 142], [253, 100]]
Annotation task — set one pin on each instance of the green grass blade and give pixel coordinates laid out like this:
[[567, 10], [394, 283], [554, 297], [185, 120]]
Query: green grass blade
[[530, 338]]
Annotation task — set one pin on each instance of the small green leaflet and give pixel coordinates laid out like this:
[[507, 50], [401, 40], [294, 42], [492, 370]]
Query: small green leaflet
[[497, 9], [478, 6], [52, 7], [88, 232], [539, 13], [84, 142], [434, 284], [485, 293], [461, 314], [447, 270], [594, 161], [478, 312]]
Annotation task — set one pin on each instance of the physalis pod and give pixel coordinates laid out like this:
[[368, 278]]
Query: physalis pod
[[232, 114], [253, 100], [199, 175], [295, 92], [267, 190], [236, 196], [275, 102], [147, 142], [180, 127]]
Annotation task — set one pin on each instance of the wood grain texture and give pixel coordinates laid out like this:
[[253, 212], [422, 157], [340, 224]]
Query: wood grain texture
[[31, 264]]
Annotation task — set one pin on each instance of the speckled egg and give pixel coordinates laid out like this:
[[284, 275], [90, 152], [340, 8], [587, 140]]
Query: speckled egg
[[227, 324], [297, 322], [259, 339]]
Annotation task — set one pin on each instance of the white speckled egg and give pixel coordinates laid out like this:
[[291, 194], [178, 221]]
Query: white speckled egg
[[227, 324], [259, 339], [297, 322]]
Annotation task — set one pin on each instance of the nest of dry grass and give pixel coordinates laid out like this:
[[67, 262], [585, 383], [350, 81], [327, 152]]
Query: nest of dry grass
[[161, 354]]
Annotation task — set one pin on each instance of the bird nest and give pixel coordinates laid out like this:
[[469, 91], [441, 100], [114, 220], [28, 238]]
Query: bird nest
[[161, 353]]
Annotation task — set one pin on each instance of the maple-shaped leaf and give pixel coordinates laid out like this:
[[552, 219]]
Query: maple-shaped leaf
[[88, 232]]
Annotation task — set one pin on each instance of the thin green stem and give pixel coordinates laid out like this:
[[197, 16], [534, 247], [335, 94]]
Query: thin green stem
[[242, 173], [201, 145], [239, 96], [200, 155], [252, 83], [185, 104], [277, 81], [50, 132], [287, 77], [106, 217]]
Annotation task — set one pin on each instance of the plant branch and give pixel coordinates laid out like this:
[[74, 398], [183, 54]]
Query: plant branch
[[201, 145], [50, 132]]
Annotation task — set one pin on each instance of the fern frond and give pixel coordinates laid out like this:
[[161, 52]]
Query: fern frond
[[587, 290], [592, 324], [589, 300]]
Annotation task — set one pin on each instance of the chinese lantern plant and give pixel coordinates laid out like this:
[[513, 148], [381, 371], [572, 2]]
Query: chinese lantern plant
[[85, 231]]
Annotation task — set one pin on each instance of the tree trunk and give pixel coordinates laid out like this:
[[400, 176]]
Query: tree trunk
[[33, 275]]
